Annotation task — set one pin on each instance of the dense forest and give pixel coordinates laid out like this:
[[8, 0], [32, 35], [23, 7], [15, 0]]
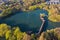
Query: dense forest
[[8, 33]]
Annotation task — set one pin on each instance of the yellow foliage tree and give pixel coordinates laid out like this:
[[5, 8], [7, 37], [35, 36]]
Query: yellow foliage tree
[[3, 29], [8, 35], [33, 7]]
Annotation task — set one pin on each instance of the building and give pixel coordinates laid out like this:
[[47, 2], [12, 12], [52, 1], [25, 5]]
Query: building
[[17, 0], [10, 0], [0, 0], [5, 0], [53, 2]]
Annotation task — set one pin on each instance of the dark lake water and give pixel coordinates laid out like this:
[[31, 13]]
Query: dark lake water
[[29, 21]]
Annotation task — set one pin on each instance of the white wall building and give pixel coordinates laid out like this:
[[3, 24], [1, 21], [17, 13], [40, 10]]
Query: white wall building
[[53, 2], [0, 0], [10, 0]]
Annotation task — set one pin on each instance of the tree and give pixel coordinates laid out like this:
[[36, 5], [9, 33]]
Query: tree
[[53, 34], [33, 7], [3, 29], [26, 36]]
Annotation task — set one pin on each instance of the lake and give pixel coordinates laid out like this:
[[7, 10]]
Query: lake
[[29, 21]]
